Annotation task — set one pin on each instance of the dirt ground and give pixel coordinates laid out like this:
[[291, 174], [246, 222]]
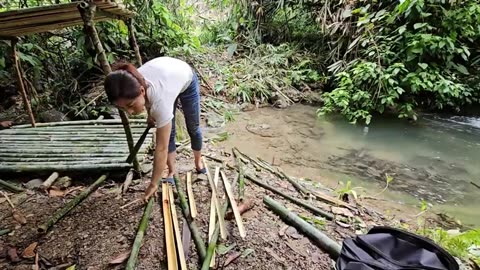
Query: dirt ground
[[98, 230]]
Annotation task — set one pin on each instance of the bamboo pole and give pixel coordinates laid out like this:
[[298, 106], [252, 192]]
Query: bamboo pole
[[233, 203], [87, 11], [298, 202], [191, 198], [212, 222], [178, 236], [92, 123], [21, 86], [133, 41], [196, 236], [317, 237], [223, 232], [45, 155], [59, 214], [142, 228], [169, 235], [46, 185], [53, 167], [10, 187], [213, 242], [241, 179], [138, 145], [278, 173]]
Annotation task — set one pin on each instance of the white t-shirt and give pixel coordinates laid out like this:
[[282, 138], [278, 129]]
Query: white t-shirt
[[166, 78]]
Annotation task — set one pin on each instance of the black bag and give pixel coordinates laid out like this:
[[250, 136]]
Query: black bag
[[393, 249]]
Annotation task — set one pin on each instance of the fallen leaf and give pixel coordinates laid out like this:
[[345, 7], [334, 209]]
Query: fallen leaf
[[53, 192], [29, 252], [222, 249], [292, 232], [18, 216], [342, 211], [273, 254], [247, 252], [232, 257], [282, 230], [12, 254], [120, 258], [71, 267], [2, 200]]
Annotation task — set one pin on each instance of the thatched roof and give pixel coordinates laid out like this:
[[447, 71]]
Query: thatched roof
[[28, 21]]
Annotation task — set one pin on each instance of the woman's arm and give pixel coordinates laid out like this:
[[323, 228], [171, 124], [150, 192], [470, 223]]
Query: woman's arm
[[160, 159]]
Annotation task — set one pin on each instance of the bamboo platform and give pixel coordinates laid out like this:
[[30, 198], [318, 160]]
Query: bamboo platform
[[69, 146]]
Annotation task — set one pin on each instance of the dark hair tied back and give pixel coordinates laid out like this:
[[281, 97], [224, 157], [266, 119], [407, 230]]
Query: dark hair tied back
[[123, 82]]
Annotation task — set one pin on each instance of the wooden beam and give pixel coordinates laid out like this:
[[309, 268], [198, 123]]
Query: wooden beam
[[191, 199], [233, 203], [133, 41], [21, 86]]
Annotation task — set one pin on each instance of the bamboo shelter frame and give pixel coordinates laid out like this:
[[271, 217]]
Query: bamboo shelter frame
[[22, 22]]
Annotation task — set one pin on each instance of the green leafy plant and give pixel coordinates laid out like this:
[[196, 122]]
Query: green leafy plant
[[346, 189]]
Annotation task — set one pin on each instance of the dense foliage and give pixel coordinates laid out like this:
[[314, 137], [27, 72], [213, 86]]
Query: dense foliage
[[385, 56], [61, 67]]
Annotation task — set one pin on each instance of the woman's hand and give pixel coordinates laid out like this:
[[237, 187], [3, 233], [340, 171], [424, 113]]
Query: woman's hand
[[151, 189]]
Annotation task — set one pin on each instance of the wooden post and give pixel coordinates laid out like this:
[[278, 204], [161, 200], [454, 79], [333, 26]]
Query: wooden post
[[133, 41], [87, 11], [21, 86]]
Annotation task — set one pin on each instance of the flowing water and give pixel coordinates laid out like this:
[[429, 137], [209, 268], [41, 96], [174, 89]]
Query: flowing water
[[434, 160]]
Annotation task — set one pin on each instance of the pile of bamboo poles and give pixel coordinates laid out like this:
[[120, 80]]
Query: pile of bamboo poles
[[69, 146]]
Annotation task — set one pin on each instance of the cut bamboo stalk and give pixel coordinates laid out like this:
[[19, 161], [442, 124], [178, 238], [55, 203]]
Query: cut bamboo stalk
[[213, 243], [142, 228], [71, 155], [59, 214], [212, 222], [127, 182], [178, 236], [223, 232], [21, 86], [191, 198], [55, 167], [106, 122], [50, 180], [233, 203], [298, 202], [317, 237], [196, 236], [169, 235], [10, 187], [241, 179], [278, 173]]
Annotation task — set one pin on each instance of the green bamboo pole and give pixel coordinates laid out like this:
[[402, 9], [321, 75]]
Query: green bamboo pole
[[196, 236], [52, 168], [46, 155], [142, 228], [213, 242], [303, 204], [10, 186], [59, 214], [4, 231], [81, 122], [278, 173], [241, 180], [317, 237]]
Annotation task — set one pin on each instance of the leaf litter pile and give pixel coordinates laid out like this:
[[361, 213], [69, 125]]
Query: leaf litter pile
[[100, 231]]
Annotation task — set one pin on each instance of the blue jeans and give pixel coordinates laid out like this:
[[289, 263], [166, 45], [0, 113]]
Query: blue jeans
[[190, 100]]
